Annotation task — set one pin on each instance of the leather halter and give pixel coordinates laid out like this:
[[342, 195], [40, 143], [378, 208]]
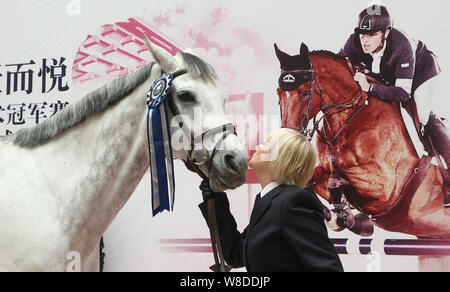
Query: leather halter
[[192, 163]]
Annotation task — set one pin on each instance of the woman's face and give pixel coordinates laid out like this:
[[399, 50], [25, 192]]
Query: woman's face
[[261, 157]]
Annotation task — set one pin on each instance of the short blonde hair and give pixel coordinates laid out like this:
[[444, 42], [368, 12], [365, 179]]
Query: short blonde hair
[[293, 158]]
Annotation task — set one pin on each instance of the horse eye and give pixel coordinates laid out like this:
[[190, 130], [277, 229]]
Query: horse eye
[[186, 96], [305, 94]]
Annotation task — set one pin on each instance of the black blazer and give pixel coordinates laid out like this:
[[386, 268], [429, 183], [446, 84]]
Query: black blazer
[[286, 234]]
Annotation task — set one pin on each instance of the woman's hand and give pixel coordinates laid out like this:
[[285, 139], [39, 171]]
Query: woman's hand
[[207, 192], [362, 80]]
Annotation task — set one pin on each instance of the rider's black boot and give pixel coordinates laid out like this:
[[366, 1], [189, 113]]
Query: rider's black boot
[[439, 137]]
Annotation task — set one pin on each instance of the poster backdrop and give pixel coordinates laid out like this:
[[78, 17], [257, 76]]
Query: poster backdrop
[[53, 52]]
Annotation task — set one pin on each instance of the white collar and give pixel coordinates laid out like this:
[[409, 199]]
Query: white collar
[[268, 188], [380, 53]]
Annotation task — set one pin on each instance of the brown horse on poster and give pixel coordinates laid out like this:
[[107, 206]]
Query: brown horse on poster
[[364, 148]]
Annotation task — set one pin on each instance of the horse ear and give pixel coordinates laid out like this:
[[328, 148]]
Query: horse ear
[[304, 51], [161, 56], [282, 56]]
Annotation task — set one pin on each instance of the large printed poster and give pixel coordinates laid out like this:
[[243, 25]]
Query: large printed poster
[[55, 52]]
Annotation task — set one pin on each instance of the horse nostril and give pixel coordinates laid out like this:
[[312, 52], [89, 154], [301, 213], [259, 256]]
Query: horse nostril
[[231, 163]]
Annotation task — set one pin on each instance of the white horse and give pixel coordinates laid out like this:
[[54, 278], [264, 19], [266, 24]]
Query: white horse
[[63, 181]]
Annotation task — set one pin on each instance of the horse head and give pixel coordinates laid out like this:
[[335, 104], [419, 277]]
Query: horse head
[[296, 89], [198, 109]]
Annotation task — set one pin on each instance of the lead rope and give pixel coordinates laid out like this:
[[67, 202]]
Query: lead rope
[[207, 193], [208, 196]]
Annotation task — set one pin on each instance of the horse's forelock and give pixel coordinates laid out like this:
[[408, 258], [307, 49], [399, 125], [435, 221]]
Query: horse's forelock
[[199, 68]]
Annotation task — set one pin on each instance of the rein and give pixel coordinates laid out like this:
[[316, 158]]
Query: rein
[[310, 133]]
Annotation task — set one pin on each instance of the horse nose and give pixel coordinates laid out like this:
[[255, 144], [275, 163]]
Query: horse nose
[[234, 162], [229, 170], [231, 163]]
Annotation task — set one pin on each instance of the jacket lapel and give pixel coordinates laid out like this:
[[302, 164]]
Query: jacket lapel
[[263, 204], [259, 209]]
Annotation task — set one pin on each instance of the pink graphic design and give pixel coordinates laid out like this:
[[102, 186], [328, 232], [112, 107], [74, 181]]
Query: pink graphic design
[[115, 51], [398, 247], [245, 110], [233, 48]]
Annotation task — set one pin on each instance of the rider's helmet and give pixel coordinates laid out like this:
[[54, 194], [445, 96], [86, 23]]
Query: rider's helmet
[[372, 19]]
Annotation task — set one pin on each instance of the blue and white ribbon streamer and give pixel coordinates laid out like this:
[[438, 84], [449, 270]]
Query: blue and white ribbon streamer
[[160, 147]]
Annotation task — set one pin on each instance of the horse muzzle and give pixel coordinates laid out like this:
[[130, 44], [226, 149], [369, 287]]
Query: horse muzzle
[[229, 170]]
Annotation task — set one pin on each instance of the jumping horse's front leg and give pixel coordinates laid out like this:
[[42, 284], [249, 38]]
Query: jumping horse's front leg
[[336, 185], [360, 223]]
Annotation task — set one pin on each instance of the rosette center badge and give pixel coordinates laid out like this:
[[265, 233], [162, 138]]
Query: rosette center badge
[[159, 91]]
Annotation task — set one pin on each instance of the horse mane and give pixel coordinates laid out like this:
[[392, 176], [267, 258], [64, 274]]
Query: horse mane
[[99, 100], [93, 103], [327, 53]]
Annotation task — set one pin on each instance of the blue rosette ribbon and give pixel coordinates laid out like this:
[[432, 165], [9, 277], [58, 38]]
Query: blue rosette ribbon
[[160, 146]]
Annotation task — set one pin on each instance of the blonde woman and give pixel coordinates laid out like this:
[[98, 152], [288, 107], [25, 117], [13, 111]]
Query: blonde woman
[[286, 230]]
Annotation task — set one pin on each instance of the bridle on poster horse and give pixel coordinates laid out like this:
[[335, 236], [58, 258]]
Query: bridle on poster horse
[[334, 106], [198, 155]]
